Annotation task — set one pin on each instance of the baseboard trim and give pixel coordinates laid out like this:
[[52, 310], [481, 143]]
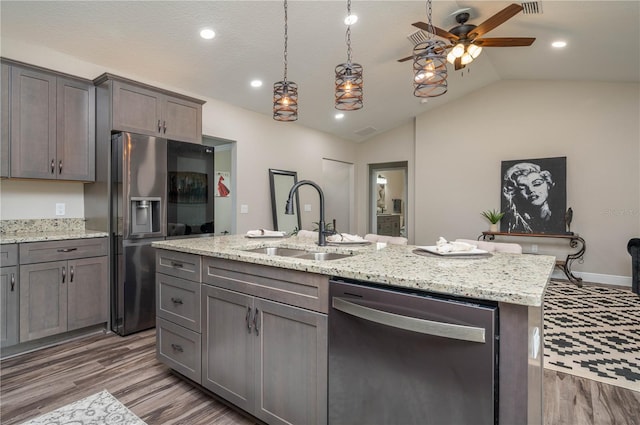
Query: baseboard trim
[[606, 279]]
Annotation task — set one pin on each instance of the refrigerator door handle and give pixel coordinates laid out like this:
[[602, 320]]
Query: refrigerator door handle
[[412, 324]]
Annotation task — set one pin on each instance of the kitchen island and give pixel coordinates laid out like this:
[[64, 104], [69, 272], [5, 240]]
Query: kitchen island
[[515, 284]]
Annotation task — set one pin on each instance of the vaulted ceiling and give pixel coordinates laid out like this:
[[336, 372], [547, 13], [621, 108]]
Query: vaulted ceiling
[[158, 42]]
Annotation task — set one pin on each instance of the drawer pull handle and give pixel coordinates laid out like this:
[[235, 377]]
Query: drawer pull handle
[[177, 265], [176, 300], [248, 319], [255, 322], [164, 127], [64, 274], [60, 167], [53, 166], [177, 347], [68, 250], [71, 274], [13, 282], [159, 127]]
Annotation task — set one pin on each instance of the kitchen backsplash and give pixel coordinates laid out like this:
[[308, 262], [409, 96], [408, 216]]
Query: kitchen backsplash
[[41, 225]]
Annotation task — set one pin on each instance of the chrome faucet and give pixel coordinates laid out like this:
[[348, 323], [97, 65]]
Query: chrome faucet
[[289, 208]]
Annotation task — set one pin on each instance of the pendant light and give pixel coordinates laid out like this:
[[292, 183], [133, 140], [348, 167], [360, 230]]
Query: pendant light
[[349, 76], [429, 64], [285, 93]]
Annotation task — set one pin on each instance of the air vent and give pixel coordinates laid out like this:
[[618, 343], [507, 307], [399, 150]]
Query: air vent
[[417, 37], [367, 131], [532, 8]]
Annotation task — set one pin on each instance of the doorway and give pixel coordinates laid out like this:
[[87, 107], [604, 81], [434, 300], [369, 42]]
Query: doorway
[[388, 198], [224, 201], [337, 185]]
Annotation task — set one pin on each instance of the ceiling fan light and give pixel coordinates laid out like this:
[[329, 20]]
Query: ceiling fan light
[[458, 50], [474, 50], [466, 59], [451, 58]]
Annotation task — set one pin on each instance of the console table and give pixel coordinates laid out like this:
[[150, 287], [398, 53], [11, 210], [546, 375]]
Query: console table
[[575, 242]]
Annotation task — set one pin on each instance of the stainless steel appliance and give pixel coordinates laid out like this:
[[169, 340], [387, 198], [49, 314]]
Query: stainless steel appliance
[[410, 358], [138, 193]]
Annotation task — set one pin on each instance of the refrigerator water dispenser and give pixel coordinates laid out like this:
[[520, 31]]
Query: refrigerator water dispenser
[[145, 215]]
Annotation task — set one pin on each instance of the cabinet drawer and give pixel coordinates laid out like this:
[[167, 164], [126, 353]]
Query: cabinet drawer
[[178, 300], [179, 264], [8, 255], [179, 348], [300, 289], [39, 252]]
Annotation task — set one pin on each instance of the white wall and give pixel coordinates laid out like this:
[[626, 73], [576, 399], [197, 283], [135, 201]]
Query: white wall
[[29, 199], [595, 125]]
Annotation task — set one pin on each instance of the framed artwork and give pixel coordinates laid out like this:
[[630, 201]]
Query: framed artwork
[[534, 195], [188, 188], [223, 183]]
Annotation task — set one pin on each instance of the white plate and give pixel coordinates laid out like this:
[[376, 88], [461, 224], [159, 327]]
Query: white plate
[[433, 250], [264, 236]]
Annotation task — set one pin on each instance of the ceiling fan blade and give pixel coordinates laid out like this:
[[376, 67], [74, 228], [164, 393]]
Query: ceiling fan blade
[[504, 41], [438, 31], [497, 19]]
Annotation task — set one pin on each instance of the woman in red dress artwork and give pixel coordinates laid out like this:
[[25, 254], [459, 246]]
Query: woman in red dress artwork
[[222, 189]]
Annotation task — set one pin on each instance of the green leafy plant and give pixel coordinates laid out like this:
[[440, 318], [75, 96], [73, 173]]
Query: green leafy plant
[[493, 216]]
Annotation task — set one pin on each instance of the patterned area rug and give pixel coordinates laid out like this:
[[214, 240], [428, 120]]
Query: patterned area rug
[[98, 409], [593, 332]]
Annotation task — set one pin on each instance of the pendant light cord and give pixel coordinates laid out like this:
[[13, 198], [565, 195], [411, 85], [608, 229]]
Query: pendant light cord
[[431, 29], [285, 40], [348, 35]]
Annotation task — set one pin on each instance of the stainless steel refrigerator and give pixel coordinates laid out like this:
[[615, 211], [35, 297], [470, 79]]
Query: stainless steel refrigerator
[[138, 208]]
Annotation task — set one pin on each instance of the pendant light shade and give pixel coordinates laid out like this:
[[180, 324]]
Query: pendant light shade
[[430, 64], [285, 93], [349, 81]]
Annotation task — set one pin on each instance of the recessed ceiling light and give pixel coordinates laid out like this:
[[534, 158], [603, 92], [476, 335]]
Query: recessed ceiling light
[[256, 83], [207, 33], [339, 116], [351, 19], [559, 44]]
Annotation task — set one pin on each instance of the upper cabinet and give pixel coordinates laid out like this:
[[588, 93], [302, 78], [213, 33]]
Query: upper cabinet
[[143, 109], [51, 132], [4, 122]]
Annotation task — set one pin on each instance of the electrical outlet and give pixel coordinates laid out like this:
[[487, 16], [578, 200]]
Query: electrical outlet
[[307, 207], [244, 209], [534, 248], [60, 209]]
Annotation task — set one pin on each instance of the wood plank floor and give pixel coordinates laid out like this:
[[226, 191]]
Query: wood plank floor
[[39, 382]]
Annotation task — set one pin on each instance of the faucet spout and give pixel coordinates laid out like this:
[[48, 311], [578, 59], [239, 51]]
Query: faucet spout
[[289, 207]]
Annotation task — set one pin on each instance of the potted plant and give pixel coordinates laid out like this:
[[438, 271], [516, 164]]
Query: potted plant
[[494, 217]]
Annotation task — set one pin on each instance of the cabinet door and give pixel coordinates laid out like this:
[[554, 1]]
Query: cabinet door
[[4, 121], [291, 364], [43, 299], [182, 120], [88, 292], [33, 124], [76, 144], [228, 341], [9, 306], [136, 109]]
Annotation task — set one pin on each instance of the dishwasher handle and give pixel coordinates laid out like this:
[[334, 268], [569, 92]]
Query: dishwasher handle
[[427, 327]]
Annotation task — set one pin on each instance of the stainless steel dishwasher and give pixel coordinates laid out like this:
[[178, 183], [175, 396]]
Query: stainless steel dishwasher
[[410, 358]]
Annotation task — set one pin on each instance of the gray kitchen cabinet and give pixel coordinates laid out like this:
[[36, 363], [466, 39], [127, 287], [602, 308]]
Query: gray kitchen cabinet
[[178, 318], [143, 109], [63, 286], [4, 121], [52, 132], [265, 356], [9, 295]]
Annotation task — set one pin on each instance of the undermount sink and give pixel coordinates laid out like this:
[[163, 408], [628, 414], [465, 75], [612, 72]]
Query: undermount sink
[[298, 253]]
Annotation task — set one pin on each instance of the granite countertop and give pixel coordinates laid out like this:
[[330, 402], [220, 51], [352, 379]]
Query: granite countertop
[[39, 230], [511, 278]]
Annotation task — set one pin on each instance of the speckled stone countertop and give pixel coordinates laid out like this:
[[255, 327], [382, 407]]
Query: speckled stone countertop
[[39, 230], [511, 278]]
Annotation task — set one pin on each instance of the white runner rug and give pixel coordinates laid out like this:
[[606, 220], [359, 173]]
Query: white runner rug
[[98, 409], [593, 332]]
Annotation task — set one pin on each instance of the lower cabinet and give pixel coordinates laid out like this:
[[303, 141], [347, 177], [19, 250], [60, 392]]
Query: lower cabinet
[[61, 296], [266, 357]]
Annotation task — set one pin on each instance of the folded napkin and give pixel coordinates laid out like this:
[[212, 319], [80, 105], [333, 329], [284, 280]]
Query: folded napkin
[[264, 232], [444, 246], [345, 237]]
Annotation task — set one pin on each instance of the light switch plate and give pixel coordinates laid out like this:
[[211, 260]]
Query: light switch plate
[[244, 209], [307, 207], [60, 209]]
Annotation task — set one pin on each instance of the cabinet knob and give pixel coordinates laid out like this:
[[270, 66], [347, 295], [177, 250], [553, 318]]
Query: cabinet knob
[[177, 347], [176, 300]]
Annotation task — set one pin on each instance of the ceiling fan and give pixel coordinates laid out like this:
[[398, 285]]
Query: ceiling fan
[[466, 43]]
